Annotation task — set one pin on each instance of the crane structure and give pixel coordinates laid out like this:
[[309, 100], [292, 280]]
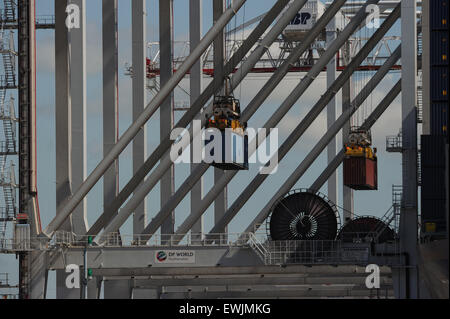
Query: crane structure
[[321, 253]]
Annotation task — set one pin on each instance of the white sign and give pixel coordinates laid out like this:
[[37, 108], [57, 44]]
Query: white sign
[[302, 20], [175, 257]]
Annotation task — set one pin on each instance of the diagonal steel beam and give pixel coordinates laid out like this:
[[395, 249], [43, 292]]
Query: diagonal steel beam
[[195, 108], [136, 127], [166, 163], [331, 168], [256, 102], [306, 122], [374, 116], [306, 163]]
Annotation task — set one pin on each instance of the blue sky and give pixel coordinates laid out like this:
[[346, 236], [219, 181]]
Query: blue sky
[[366, 203]]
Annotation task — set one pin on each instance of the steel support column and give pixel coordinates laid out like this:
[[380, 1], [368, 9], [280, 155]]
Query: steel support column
[[221, 202], [27, 135], [196, 86], [110, 96], [77, 76], [63, 125], [62, 110], [347, 96], [167, 184], [408, 215], [331, 112], [138, 25]]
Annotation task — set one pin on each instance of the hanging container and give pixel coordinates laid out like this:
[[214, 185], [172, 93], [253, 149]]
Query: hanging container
[[234, 147], [360, 173]]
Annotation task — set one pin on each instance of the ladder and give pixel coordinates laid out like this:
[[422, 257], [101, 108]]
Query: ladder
[[392, 215], [9, 127], [9, 59], [9, 10]]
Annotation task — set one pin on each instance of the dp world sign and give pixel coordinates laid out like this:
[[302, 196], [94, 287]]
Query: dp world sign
[[175, 257]]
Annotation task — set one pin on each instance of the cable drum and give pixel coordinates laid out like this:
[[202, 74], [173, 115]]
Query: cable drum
[[303, 215], [366, 229]]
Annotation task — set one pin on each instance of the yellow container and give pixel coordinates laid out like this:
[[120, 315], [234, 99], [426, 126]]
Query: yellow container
[[430, 227]]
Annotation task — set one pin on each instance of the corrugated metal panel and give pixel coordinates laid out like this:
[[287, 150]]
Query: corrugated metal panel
[[360, 173], [439, 14], [439, 83], [439, 48], [433, 183], [434, 211], [432, 151], [22, 237], [439, 118], [371, 174]]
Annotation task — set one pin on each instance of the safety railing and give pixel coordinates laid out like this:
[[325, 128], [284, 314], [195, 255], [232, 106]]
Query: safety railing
[[190, 239], [304, 252], [259, 247], [45, 20], [8, 245], [394, 143], [4, 280]]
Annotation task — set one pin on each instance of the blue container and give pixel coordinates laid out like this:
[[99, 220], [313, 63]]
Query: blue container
[[234, 151], [439, 48], [439, 14], [433, 183], [439, 119], [439, 83], [434, 211], [432, 151]]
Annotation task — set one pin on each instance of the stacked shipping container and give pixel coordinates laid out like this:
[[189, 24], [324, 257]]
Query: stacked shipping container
[[433, 204], [439, 66], [433, 191]]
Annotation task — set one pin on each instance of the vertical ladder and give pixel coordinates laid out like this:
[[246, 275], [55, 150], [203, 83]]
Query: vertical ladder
[[9, 59], [9, 127], [392, 216], [9, 10]]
